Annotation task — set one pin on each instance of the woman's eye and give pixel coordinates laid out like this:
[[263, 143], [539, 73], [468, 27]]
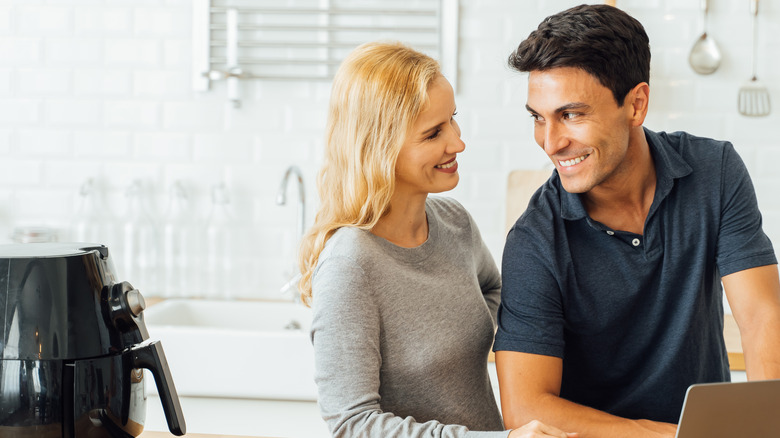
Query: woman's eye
[[434, 135]]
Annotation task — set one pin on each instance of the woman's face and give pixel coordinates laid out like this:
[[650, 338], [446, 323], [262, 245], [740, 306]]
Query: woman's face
[[426, 163]]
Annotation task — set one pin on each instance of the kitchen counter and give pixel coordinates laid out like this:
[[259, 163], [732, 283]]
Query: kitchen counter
[[733, 343], [242, 418], [189, 435]]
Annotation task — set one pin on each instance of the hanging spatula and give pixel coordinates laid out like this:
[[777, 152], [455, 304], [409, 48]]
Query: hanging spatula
[[753, 99]]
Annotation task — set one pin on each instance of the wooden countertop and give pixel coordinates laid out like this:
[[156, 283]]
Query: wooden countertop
[[733, 344], [730, 332], [189, 435]]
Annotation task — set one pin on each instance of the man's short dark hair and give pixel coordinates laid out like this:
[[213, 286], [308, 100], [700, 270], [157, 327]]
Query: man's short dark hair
[[602, 40]]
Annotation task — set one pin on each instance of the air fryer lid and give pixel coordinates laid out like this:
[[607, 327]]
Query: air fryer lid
[[62, 301]]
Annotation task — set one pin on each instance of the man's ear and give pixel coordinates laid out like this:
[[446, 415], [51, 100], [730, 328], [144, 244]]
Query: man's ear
[[636, 103]]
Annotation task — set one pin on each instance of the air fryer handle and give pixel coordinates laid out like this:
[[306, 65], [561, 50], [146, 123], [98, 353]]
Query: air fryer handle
[[150, 355]]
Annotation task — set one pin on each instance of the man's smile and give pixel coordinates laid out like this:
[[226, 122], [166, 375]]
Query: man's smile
[[573, 161]]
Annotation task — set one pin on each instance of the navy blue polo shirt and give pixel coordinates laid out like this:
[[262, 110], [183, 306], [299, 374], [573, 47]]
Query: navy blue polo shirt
[[635, 318]]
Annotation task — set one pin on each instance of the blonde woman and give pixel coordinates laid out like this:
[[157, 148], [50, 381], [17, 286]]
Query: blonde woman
[[404, 291]]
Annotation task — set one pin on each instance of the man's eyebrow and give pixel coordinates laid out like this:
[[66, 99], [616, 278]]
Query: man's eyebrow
[[572, 105], [568, 106]]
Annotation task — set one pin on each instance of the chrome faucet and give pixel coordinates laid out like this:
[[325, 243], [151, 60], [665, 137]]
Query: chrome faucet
[[281, 197]]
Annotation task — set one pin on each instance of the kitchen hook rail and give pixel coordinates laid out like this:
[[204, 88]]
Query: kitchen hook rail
[[236, 40]]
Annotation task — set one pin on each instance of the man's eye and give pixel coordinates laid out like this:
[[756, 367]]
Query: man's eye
[[569, 116], [535, 117]]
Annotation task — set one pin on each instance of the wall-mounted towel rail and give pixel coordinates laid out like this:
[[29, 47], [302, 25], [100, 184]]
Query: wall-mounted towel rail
[[258, 39]]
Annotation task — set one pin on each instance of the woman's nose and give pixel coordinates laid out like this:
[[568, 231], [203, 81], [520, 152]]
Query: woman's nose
[[455, 144]]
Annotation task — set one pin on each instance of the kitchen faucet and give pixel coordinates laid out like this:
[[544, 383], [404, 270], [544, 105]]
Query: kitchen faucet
[[281, 199]]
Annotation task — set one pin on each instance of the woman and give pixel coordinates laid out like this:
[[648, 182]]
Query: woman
[[404, 290]]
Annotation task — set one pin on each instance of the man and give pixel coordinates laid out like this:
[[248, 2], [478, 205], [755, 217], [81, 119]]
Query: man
[[611, 299]]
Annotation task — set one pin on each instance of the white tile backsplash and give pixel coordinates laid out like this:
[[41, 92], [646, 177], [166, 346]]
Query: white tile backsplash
[[44, 81], [132, 52], [139, 114], [19, 51], [73, 112], [19, 112], [102, 89], [5, 141], [101, 21], [45, 143], [43, 20], [102, 144]]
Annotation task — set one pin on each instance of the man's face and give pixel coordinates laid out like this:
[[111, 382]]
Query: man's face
[[580, 126]]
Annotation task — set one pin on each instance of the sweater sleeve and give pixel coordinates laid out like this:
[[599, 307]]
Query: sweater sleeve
[[346, 338]]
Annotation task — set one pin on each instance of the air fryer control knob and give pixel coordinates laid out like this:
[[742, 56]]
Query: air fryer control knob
[[125, 310], [135, 302]]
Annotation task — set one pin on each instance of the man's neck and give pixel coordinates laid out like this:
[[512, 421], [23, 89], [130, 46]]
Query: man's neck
[[623, 202]]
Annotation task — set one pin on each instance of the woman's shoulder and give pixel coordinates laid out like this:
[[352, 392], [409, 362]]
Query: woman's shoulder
[[448, 210], [445, 204], [348, 242]]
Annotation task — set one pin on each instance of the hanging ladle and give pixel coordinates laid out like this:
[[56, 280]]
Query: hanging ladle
[[705, 56]]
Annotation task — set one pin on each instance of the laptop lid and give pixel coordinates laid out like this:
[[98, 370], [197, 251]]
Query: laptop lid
[[729, 410]]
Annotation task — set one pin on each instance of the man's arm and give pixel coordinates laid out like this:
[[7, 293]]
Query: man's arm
[[530, 386], [754, 297]]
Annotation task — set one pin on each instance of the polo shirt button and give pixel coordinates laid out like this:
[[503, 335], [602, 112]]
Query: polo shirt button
[[610, 232], [635, 242]]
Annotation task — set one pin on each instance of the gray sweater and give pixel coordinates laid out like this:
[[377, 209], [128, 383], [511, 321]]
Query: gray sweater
[[401, 335]]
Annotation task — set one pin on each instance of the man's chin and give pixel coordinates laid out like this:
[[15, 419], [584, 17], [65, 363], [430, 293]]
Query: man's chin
[[574, 187]]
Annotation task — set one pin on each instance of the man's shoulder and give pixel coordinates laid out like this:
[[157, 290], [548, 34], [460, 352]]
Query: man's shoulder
[[691, 147], [545, 203], [543, 209]]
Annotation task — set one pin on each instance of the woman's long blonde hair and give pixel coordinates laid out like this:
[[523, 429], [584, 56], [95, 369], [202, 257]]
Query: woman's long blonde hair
[[378, 92]]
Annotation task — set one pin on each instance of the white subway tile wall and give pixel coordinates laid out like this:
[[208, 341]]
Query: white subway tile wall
[[101, 90]]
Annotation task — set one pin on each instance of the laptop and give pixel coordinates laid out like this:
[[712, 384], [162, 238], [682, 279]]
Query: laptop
[[729, 410]]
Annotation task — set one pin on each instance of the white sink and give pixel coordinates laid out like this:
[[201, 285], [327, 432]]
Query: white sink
[[237, 349]]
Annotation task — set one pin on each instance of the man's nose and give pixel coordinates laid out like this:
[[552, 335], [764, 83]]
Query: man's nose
[[554, 138]]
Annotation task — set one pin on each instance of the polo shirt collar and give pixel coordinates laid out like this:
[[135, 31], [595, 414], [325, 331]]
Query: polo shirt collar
[[669, 165]]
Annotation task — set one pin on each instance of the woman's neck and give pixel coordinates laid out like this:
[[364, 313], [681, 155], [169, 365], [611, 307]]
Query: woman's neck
[[405, 224]]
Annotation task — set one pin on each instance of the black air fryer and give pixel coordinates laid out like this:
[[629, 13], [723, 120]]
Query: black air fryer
[[74, 346]]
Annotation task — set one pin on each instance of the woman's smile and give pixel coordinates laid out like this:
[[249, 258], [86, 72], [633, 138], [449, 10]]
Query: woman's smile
[[450, 166]]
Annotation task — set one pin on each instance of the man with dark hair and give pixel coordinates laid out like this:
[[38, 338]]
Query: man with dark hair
[[611, 298]]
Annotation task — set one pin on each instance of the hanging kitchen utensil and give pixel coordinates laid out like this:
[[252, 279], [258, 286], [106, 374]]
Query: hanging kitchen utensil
[[705, 55], [753, 99]]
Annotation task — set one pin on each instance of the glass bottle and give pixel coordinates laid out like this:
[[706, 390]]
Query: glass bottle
[[219, 262], [90, 223], [177, 244], [139, 243]]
